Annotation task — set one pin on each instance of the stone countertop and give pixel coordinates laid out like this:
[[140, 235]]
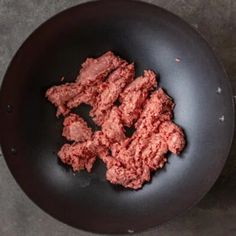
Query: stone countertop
[[215, 214]]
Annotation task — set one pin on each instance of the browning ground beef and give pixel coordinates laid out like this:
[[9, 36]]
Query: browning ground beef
[[129, 160]]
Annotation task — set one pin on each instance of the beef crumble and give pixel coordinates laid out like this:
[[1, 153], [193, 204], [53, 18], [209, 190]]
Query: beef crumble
[[129, 160]]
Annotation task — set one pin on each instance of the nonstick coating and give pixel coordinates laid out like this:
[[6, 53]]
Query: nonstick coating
[[152, 38]]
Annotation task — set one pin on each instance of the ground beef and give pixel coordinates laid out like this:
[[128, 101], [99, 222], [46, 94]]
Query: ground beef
[[137, 157], [95, 69], [61, 94], [158, 108], [173, 135], [76, 129], [87, 96], [134, 95], [113, 127], [128, 177], [93, 72], [129, 160], [132, 164], [153, 154], [78, 155], [100, 139], [110, 91]]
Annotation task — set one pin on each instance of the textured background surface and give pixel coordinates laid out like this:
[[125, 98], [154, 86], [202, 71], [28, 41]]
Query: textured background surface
[[216, 213]]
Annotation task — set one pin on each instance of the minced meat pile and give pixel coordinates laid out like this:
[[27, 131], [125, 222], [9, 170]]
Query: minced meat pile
[[143, 105]]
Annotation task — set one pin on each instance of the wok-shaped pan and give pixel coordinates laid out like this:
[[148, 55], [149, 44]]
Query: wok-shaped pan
[[152, 38]]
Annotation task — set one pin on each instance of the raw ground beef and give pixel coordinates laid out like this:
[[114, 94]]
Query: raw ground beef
[[93, 72], [129, 160], [134, 95], [76, 129], [158, 108], [87, 96], [79, 155], [61, 94], [112, 127], [110, 91], [96, 69], [173, 135]]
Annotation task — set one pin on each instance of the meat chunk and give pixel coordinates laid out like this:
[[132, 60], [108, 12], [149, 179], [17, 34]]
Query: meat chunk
[[78, 155], [113, 127], [112, 132], [101, 146], [100, 139], [91, 76], [110, 91], [61, 94], [128, 177], [87, 96], [84, 90], [174, 136], [97, 69], [153, 154], [123, 169], [146, 149], [131, 165], [76, 129], [129, 160], [70, 95], [156, 110], [134, 95], [151, 117]]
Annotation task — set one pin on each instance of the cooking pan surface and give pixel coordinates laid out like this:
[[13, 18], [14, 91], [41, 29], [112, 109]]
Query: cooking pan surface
[[154, 39]]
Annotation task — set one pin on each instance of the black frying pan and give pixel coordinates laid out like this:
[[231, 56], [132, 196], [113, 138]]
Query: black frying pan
[[152, 38]]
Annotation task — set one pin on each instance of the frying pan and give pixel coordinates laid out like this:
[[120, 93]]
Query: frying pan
[[152, 38]]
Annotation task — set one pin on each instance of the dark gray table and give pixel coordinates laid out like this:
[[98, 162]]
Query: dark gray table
[[216, 213]]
